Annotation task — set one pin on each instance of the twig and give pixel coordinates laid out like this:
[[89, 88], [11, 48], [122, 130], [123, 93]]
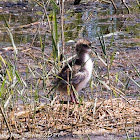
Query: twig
[[123, 1], [7, 124], [47, 16], [114, 5], [28, 25], [106, 1]]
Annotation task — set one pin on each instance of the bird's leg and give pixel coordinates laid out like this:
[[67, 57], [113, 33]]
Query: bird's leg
[[73, 98]]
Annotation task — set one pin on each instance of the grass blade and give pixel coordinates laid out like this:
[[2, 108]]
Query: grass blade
[[3, 60], [102, 42], [12, 40], [2, 88], [138, 73], [133, 81], [10, 79], [105, 85], [18, 77], [112, 58]]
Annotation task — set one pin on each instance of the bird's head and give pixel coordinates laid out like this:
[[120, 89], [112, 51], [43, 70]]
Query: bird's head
[[83, 46]]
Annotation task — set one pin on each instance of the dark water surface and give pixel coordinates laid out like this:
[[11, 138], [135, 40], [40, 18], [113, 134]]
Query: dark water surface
[[85, 20]]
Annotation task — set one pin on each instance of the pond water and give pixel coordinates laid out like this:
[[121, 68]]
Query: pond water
[[85, 20]]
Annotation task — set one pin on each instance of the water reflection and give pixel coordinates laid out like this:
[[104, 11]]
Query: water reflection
[[92, 19]]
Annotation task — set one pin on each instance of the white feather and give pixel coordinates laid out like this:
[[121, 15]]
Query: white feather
[[88, 72]]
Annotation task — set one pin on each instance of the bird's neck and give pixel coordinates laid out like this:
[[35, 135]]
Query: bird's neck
[[84, 57], [86, 63]]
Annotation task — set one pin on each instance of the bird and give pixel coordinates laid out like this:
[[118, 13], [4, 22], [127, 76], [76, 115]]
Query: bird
[[75, 75]]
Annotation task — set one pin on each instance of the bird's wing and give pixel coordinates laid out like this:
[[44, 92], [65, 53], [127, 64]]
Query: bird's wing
[[70, 69], [78, 77], [71, 64]]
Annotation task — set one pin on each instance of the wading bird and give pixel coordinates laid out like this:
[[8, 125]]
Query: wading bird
[[75, 75]]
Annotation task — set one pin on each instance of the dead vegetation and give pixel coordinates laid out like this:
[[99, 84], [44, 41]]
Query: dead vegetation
[[113, 115]]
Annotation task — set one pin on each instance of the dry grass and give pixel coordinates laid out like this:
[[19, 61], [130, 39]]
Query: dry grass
[[113, 115]]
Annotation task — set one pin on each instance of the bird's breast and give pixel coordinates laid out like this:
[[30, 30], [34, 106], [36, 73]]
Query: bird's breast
[[88, 73]]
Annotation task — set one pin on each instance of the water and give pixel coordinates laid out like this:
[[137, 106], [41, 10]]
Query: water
[[80, 21]]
